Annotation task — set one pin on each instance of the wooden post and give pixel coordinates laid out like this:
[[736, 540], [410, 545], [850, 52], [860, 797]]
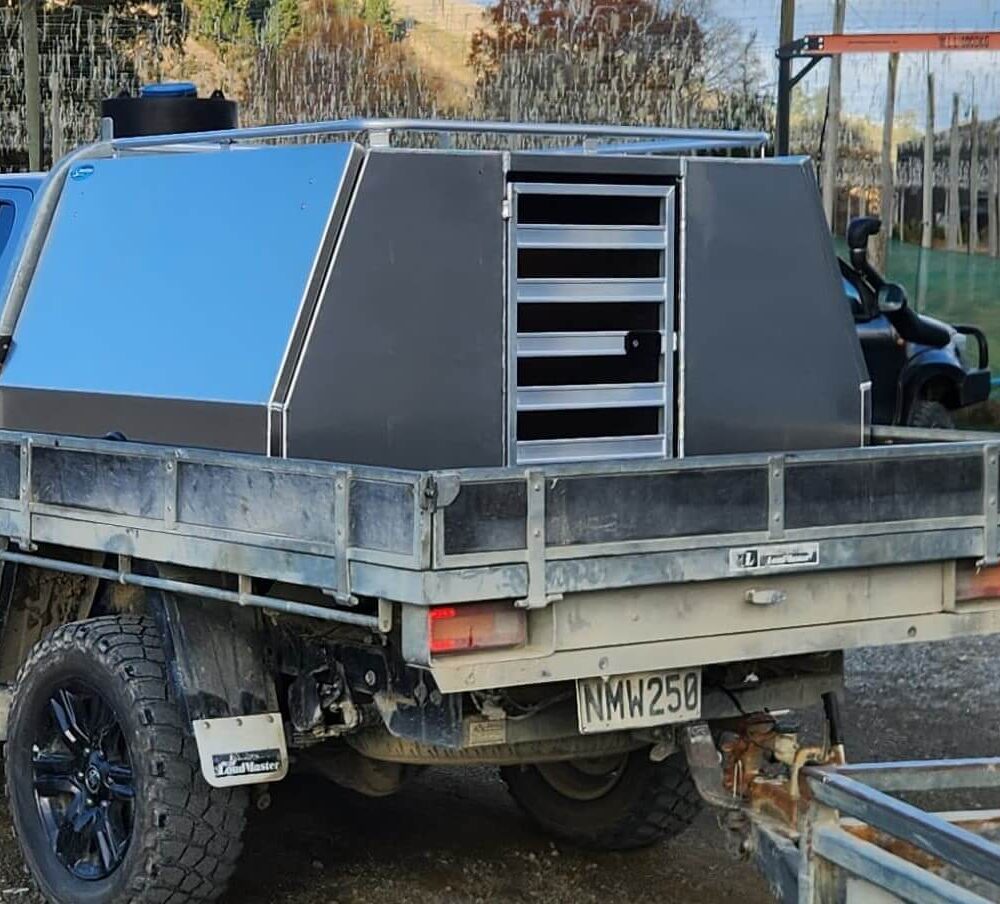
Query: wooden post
[[832, 143], [954, 202], [974, 185], [270, 87], [32, 83], [886, 182], [927, 215], [55, 90], [992, 192], [901, 212], [786, 34]]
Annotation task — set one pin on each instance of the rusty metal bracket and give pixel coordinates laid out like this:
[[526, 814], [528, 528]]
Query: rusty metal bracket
[[705, 765]]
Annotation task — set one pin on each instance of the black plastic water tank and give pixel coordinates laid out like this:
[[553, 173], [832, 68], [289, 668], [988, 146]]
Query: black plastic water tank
[[169, 109]]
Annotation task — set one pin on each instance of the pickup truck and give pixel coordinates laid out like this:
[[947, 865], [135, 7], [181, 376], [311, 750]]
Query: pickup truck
[[17, 194], [365, 459]]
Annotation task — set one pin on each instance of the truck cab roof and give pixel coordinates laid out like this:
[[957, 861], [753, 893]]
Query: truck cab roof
[[17, 196]]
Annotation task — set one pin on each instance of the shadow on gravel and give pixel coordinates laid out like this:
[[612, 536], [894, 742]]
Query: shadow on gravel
[[454, 836]]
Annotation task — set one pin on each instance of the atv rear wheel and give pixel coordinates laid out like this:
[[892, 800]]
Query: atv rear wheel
[[925, 413], [103, 780], [611, 803]]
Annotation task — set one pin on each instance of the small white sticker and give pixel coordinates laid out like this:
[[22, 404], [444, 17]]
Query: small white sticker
[[486, 732], [777, 556]]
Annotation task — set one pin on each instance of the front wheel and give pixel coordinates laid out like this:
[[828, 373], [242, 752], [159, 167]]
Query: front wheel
[[609, 803], [105, 791]]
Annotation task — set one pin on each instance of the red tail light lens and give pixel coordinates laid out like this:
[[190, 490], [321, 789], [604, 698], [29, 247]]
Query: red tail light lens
[[476, 626], [973, 583]]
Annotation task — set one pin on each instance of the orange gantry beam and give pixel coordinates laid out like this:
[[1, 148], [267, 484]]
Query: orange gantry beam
[[900, 42]]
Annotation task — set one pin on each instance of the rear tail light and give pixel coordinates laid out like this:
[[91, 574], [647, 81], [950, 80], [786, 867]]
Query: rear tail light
[[973, 583], [475, 626]]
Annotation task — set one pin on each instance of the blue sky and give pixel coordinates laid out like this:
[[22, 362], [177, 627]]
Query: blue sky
[[970, 73]]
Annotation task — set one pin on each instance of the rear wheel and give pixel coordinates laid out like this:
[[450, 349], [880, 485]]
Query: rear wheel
[[925, 413], [105, 790], [609, 803]]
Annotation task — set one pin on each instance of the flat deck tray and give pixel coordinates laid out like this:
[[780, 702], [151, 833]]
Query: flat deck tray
[[431, 537]]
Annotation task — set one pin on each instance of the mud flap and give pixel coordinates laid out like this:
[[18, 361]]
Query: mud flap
[[242, 750], [219, 673]]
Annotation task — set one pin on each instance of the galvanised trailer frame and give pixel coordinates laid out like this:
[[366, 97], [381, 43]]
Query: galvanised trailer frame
[[859, 842]]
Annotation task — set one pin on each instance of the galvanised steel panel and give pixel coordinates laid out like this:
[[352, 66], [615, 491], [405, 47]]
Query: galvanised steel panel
[[404, 363], [770, 359], [176, 275]]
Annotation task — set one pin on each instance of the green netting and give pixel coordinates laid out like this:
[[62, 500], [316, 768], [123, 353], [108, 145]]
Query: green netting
[[954, 286]]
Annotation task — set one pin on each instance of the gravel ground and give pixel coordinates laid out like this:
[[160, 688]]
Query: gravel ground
[[455, 836]]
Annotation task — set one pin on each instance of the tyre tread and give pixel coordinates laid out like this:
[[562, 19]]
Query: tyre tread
[[671, 803], [197, 830]]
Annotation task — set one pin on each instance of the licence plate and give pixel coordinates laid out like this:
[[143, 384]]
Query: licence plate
[[638, 700]]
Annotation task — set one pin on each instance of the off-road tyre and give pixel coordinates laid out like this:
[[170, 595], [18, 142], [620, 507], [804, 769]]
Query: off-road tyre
[[649, 802], [925, 413], [185, 836]]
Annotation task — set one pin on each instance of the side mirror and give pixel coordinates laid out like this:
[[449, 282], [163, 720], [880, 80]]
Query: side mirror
[[891, 298], [859, 230]]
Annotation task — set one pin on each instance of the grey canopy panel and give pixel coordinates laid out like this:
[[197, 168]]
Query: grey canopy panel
[[770, 357], [404, 364]]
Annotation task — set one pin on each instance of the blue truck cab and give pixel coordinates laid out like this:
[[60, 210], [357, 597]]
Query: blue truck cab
[[17, 196]]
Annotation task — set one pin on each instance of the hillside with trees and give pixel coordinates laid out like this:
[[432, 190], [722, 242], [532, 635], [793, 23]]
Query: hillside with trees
[[672, 63]]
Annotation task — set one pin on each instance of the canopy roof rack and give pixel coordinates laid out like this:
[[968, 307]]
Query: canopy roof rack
[[592, 138]]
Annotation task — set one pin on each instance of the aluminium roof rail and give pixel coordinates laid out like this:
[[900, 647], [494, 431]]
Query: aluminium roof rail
[[627, 139]]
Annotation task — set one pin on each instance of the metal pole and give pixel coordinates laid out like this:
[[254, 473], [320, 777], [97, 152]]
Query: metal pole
[[994, 187], [886, 187], [32, 83], [974, 185], [55, 89], [784, 112], [833, 125], [927, 217], [954, 201]]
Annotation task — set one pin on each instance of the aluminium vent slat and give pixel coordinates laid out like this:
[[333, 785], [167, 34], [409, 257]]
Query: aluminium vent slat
[[590, 188], [600, 448], [615, 238], [606, 395], [546, 291], [568, 345]]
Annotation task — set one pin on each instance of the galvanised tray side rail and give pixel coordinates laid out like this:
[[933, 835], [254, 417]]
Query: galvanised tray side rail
[[251, 516], [595, 526], [458, 536]]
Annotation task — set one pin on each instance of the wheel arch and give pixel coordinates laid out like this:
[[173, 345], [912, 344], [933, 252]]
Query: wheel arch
[[935, 381], [218, 658]]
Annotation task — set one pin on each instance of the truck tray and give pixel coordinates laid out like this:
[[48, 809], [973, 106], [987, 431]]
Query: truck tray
[[529, 534]]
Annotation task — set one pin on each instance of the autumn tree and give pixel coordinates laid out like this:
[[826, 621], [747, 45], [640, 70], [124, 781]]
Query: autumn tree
[[640, 61]]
